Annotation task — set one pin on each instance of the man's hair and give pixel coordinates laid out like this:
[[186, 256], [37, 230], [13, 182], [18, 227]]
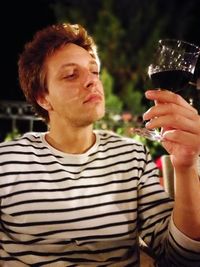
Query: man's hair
[[31, 64]]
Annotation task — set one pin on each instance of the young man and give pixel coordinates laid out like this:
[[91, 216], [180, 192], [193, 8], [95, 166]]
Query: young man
[[78, 197]]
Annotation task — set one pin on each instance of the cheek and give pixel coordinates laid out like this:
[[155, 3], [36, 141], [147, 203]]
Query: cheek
[[101, 88], [71, 93], [66, 93]]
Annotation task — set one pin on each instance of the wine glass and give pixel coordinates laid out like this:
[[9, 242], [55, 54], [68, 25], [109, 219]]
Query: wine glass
[[172, 68]]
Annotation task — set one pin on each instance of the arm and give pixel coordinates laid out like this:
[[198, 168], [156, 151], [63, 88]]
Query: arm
[[181, 138], [187, 202]]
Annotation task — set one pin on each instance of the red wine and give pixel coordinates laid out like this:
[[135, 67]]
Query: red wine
[[173, 80]]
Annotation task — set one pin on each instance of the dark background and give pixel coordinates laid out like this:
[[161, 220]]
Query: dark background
[[20, 19], [125, 31]]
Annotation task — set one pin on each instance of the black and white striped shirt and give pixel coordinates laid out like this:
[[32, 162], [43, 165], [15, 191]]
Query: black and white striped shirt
[[61, 209]]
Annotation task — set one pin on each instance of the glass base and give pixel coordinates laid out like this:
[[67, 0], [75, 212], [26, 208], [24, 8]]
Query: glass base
[[152, 135]]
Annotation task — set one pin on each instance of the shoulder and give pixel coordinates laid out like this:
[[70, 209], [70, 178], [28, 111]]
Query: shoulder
[[27, 139], [106, 137]]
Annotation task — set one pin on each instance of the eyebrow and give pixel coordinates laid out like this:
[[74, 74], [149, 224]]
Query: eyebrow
[[91, 62]]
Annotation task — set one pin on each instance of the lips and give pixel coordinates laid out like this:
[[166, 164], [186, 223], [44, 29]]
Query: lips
[[94, 97]]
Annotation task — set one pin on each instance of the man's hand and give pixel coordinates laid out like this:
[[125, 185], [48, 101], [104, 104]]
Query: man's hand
[[180, 125]]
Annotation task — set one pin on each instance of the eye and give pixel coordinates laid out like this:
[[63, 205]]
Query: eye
[[95, 72], [70, 75]]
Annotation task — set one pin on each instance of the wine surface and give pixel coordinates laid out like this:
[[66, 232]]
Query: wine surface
[[173, 80]]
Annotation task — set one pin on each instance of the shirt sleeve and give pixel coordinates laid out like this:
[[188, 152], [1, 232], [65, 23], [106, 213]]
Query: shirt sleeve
[[184, 240], [167, 244]]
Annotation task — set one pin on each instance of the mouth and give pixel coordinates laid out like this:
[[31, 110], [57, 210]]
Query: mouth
[[93, 98]]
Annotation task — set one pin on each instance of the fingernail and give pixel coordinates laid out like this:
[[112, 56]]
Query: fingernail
[[149, 92]]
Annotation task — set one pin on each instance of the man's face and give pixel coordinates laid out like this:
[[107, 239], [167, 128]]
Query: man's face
[[75, 93]]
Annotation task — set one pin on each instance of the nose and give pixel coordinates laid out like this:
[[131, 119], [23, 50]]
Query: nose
[[90, 80]]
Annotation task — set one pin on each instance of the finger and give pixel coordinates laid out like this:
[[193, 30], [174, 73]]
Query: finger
[[175, 122], [165, 96], [190, 140], [169, 108]]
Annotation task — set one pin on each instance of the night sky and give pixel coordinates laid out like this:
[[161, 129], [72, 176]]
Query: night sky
[[22, 19]]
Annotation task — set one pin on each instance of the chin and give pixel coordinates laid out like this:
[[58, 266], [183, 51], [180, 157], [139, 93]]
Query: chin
[[94, 118], [90, 116], [100, 115]]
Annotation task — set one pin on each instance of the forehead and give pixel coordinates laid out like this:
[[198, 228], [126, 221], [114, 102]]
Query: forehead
[[68, 54]]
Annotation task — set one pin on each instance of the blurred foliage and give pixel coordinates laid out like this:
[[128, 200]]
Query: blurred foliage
[[12, 135], [126, 32], [113, 102]]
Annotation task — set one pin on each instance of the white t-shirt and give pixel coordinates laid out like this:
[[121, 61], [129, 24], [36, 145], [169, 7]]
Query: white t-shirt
[[61, 209]]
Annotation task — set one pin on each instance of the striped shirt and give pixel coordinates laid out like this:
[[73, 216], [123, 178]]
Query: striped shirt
[[60, 209]]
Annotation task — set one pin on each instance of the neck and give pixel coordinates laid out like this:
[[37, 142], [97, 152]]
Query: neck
[[72, 141]]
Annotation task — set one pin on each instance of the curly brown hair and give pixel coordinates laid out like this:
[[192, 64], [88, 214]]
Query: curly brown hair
[[31, 64]]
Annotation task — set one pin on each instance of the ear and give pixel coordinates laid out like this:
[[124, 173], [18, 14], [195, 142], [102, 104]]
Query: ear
[[44, 102]]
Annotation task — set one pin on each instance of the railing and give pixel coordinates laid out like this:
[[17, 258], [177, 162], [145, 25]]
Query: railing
[[18, 115]]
